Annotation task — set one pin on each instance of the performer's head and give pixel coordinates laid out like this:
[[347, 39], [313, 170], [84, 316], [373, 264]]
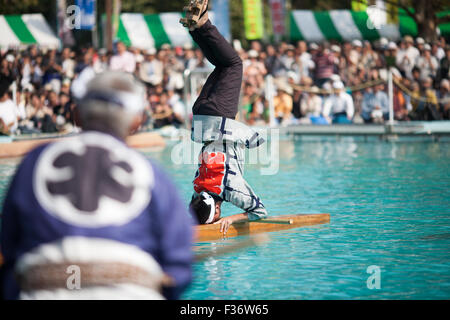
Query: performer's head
[[206, 207], [113, 103]]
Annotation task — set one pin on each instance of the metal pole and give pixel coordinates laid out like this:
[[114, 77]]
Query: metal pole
[[94, 28], [391, 97], [269, 98], [187, 102], [108, 7]]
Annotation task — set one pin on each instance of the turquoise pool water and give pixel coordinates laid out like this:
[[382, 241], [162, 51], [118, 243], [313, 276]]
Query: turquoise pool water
[[389, 206]]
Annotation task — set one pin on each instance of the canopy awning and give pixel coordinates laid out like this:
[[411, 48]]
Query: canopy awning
[[26, 29], [347, 25]]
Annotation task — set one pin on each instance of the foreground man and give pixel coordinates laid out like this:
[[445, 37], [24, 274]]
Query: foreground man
[[90, 218], [220, 174]]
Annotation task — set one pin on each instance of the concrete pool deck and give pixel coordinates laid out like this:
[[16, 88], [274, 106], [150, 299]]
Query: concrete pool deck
[[400, 131]]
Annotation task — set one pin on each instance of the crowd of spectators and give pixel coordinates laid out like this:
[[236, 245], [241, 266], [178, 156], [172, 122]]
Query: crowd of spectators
[[347, 82], [313, 83]]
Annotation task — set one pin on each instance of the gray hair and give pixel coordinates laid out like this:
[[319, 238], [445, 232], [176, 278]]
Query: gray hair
[[115, 115]]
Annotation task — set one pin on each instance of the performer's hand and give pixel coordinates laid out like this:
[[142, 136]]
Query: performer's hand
[[225, 224]]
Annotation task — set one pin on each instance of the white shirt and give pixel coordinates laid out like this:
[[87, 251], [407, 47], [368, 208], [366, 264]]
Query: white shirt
[[337, 103], [9, 114], [124, 62]]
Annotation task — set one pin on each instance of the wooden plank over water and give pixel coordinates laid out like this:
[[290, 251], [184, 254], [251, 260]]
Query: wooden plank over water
[[209, 232]]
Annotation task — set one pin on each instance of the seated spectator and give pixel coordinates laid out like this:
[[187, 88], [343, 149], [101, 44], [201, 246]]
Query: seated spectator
[[311, 108], [178, 107], [375, 105], [254, 109], [163, 114], [9, 119], [425, 106], [43, 115], [443, 94], [338, 107], [283, 103]]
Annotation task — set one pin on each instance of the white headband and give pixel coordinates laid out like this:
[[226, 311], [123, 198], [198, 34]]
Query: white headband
[[131, 102], [209, 201]]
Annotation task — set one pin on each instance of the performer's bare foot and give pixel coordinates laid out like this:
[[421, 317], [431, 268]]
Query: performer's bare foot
[[196, 14]]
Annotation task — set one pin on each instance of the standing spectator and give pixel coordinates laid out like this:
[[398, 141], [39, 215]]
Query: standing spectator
[[444, 65], [304, 63], [123, 60], [408, 56], [324, 62], [116, 212], [152, 68], [26, 71], [68, 64], [427, 63], [273, 62]]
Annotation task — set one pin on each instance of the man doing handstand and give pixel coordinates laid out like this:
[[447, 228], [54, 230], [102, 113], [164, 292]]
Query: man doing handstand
[[220, 173]]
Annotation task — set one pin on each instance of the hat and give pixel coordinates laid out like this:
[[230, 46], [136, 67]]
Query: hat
[[338, 85], [66, 82], [28, 87], [253, 54], [139, 58], [335, 77], [383, 42], [392, 45], [313, 46], [187, 46], [420, 40], [408, 39], [166, 46], [357, 43], [290, 47], [335, 48], [282, 85], [314, 89], [427, 47], [293, 75], [10, 58], [150, 52]]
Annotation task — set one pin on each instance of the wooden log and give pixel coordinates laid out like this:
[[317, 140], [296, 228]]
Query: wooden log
[[209, 232]]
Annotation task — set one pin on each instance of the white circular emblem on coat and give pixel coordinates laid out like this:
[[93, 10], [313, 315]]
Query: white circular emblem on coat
[[92, 180]]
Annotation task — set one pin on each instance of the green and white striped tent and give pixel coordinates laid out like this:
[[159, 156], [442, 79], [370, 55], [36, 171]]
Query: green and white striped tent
[[346, 25], [152, 30], [26, 29]]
